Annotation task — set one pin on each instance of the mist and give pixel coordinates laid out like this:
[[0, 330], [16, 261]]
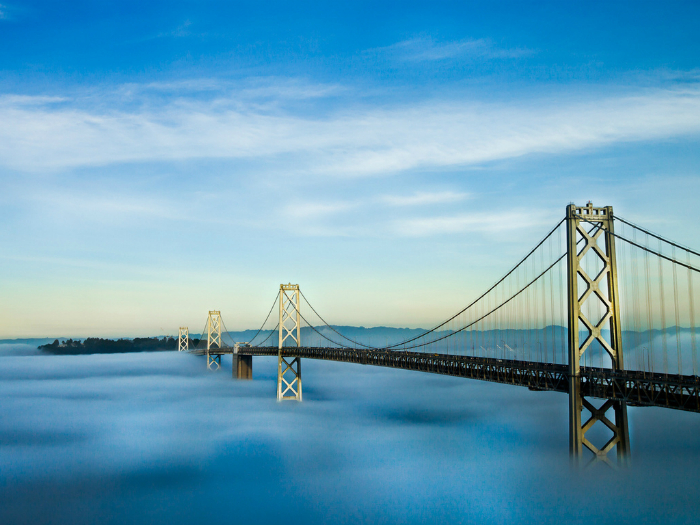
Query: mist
[[155, 437]]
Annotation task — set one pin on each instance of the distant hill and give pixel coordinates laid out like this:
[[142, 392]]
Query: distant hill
[[358, 336], [30, 341], [94, 345]]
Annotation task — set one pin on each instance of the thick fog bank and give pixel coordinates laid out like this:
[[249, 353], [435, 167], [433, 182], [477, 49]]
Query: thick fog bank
[[155, 438]]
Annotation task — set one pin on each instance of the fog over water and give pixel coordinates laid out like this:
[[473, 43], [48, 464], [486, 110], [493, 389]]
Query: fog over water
[[156, 438]]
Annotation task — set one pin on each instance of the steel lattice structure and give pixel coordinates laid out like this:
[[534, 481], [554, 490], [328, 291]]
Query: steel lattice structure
[[214, 344], [604, 287], [289, 370]]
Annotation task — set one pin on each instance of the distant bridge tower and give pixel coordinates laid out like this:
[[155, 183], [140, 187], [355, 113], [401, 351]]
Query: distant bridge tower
[[289, 368], [183, 339], [603, 287], [213, 340]]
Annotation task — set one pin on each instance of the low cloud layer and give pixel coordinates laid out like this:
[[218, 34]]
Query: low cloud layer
[[156, 438]]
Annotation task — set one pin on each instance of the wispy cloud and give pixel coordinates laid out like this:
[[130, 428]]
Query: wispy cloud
[[306, 210], [248, 94], [108, 208], [460, 223], [371, 216], [426, 49], [38, 135], [31, 100], [424, 198]]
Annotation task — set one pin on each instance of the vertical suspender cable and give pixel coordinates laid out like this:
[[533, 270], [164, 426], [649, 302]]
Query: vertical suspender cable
[[513, 320], [518, 319], [487, 320], [551, 303], [473, 327], [536, 312], [650, 332], [662, 304], [675, 307], [499, 324], [562, 336], [478, 330], [691, 300], [497, 319], [482, 311], [526, 315], [635, 275], [471, 335], [545, 348], [494, 319], [625, 306], [501, 321]]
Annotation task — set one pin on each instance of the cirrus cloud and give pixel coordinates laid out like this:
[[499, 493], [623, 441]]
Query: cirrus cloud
[[52, 133]]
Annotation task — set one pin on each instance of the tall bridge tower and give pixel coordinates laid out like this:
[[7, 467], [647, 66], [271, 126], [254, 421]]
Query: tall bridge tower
[[213, 340], [603, 287], [183, 339], [289, 367]]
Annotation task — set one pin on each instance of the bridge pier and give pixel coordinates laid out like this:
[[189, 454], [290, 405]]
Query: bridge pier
[[242, 367]]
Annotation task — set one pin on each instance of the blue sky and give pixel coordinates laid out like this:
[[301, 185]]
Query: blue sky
[[161, 160]]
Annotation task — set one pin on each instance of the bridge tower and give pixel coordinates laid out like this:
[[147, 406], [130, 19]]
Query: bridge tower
[[213, 340], [289, 367], [603, 287], [183, 339]]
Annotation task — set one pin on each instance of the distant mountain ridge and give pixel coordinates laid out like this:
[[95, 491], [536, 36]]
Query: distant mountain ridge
[[359, 336]]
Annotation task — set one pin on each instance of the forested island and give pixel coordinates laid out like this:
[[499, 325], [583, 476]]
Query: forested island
[[95, 345]]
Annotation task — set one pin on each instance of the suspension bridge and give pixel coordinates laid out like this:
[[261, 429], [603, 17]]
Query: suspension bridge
[[600, 309]]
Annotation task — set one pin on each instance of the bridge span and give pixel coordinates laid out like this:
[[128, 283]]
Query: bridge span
[[636, 388], [591, 311]]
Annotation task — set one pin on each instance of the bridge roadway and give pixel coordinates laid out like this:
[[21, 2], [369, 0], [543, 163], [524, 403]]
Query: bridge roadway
[[636, 388]]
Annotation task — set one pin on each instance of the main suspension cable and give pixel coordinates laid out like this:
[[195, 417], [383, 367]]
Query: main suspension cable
[[656, 236], [313, 328], [403, 343], [387, 348], [329, 326], [649, 250], [265, 321], [268, 337], [484, 294], [201, 336], [484, 316]]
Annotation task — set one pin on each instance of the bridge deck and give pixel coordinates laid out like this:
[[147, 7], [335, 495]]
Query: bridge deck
[[636, 388]]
